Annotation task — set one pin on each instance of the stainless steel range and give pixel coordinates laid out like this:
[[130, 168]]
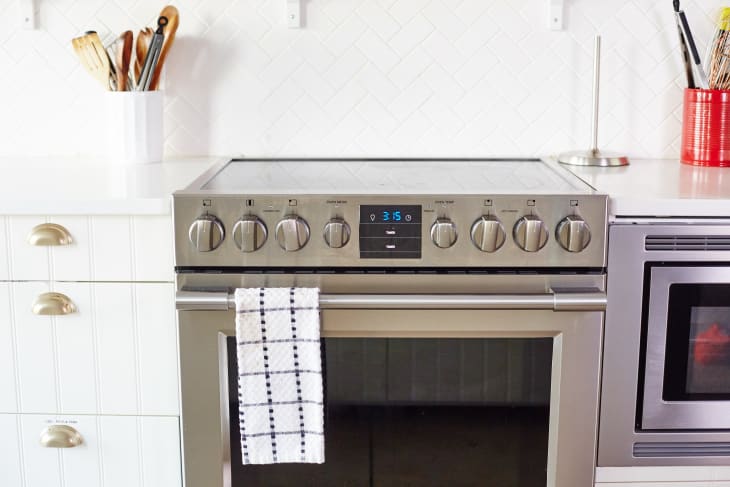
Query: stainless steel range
[[449, 290]]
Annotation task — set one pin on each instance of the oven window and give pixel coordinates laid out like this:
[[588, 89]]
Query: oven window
[[422, 412], [697, 362]]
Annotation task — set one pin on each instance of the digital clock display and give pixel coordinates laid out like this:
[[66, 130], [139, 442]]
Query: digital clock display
[[390, 214], [390, 231]]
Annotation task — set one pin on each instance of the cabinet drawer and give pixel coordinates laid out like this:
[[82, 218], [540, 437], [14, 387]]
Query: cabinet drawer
[[102, 248], [115, 354], [114, 451]]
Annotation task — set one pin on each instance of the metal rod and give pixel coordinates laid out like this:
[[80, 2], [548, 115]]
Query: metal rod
[[584, 301], [596, 91]]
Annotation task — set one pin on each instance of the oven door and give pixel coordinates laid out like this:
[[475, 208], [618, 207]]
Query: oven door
[[687, 365], [421, 389]]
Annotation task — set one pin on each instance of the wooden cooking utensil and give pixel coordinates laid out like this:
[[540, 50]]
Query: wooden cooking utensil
[[124, 56], [93, 57], [144, 38], [173, 20]]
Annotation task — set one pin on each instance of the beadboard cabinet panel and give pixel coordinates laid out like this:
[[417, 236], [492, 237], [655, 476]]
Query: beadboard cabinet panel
[[11, 467], [72, 262], [116, 354], [153, 249], [157, 348], [103, 248], [116, 451], [8, 386], [117, 347], [144, 451], [35, 351], [27, 262], [160, 447], [75, 354], [112, 246]]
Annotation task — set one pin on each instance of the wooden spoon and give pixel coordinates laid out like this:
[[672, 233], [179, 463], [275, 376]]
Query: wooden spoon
[[173, 20], [124, 56], [144, 38]]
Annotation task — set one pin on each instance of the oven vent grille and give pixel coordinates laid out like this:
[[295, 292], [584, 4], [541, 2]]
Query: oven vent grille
[[682, 449], [685, 242]]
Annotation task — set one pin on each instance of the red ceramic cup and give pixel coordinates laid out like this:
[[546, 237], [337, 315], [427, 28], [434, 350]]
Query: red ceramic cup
[[706, 128]]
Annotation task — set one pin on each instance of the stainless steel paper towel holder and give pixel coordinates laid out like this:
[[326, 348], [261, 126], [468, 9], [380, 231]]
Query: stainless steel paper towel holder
[[593, 156]]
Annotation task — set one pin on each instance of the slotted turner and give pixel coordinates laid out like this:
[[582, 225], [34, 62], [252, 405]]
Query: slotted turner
[[93, 57]]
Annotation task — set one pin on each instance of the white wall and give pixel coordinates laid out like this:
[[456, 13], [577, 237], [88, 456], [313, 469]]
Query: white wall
[[362, 77]]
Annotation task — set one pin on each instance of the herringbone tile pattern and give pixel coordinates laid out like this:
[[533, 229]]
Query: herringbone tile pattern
[[362, 77]]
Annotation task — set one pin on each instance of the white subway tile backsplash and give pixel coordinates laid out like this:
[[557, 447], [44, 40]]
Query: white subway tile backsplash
[[377, 51], [381, 22], [411, 35], [410, 68], [363, 77], [347, 32], [249, 19]]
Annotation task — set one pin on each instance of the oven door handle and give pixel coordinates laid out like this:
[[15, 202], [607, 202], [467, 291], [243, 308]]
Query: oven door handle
[[592, 300]]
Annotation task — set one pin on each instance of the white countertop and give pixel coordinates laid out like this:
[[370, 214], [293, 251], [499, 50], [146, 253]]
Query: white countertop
[[68, 186], [661, 188]]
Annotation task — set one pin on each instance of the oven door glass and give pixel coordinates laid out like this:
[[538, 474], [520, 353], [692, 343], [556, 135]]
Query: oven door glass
[[687, 349], [421, 412], [697, 362]]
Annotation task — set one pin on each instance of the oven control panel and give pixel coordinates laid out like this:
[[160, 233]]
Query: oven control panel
[[390, 232], [337, 231]]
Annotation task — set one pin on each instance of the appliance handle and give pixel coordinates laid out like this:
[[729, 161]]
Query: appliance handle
[[591, 300]]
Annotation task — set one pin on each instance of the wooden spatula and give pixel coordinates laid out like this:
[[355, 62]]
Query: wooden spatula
[[173, 20], [93, 57]]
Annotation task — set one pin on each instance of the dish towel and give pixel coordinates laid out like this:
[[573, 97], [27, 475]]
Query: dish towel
[[279, 375]]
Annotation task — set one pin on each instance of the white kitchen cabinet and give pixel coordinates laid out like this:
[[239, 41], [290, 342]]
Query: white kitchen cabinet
[[103, 248], [110, 368], [116, 354], [116, 451]]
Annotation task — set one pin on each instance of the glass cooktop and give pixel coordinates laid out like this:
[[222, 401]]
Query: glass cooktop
[[411, 176]]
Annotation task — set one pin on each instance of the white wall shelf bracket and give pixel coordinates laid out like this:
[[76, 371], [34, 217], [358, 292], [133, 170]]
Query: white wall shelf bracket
[[557, 11], [26, 10], [294, 13]]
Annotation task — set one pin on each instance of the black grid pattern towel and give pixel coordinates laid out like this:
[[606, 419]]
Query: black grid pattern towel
[[279, 375]]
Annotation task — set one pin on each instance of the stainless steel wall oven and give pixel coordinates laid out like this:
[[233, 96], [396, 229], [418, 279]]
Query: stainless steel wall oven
[[462, 323], [666, 379]]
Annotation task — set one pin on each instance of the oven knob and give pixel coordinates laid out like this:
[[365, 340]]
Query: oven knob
[[530, 233], [249, 233], [573, 233], [206, 233], [292, 233], [487, 233], [336, 233], [443, 233]]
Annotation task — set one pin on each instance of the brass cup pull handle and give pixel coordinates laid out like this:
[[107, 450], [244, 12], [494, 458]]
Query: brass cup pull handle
[[48, 234], [60, 436], [53, 304]]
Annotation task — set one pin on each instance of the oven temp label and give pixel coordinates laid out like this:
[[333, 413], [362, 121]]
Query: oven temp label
[[390, 231]]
